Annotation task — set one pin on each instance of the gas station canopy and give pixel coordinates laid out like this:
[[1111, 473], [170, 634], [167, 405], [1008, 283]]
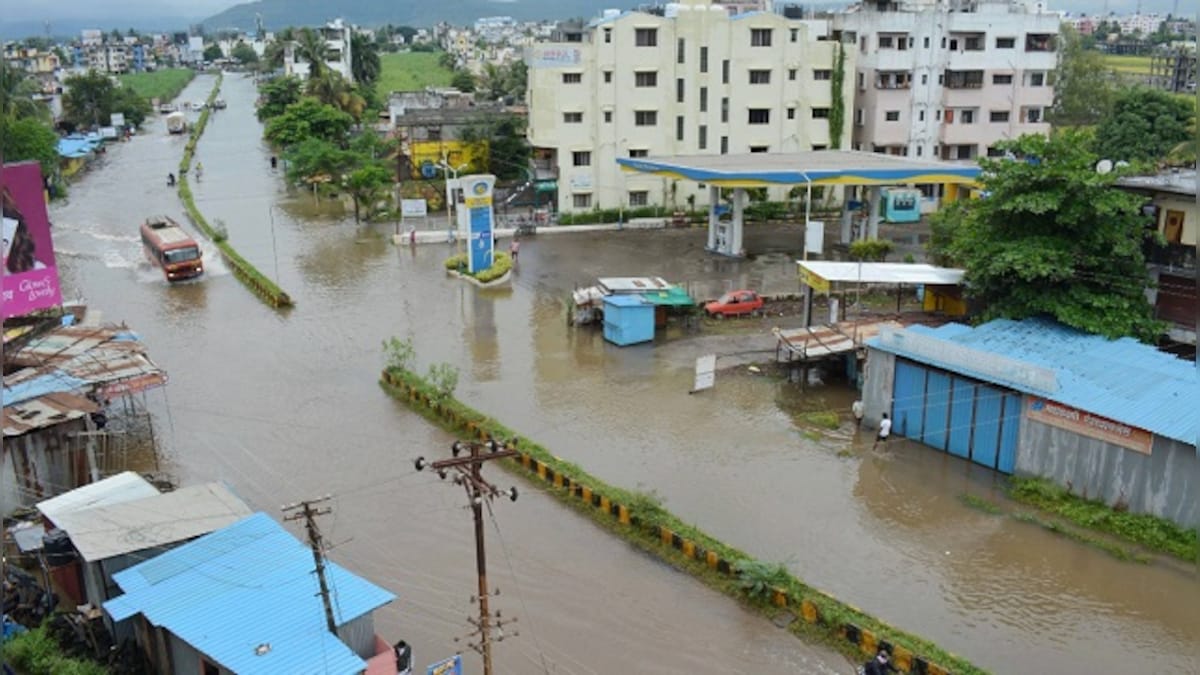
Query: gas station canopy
[[816, 167]]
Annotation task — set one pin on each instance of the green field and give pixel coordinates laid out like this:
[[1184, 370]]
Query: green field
[[1132, 65], [163, 85], [411, 71]]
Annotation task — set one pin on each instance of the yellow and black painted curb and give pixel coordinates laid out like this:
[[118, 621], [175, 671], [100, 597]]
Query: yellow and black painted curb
[[457, 417], [245, 272]]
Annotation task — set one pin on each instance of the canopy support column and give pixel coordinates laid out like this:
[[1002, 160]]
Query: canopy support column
[[714, 199], [874, 200], [734, 240]]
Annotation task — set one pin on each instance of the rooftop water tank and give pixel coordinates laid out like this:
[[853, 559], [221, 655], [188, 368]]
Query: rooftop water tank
[[610, 13]]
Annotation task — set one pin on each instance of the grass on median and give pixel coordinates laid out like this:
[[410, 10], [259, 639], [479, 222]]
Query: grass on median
[[163, 85], [411, 71], [1152, 532]]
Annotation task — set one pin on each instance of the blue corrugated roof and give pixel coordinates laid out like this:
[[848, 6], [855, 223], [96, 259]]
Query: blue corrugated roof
[[1123, 379], [77, 146], [49, 383], [249, 584]]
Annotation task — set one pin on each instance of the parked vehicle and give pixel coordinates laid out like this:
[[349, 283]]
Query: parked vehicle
[[166, 108], [177, 123], [735, 303], [219, 104], [170, 247]]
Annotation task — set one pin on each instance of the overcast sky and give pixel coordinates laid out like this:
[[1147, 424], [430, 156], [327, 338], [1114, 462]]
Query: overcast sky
[[119, 12]]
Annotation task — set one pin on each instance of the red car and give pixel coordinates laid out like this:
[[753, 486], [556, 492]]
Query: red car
[[735, 303]]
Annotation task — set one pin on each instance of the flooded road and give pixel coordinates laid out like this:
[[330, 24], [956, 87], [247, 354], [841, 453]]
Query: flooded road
[[284, 406]]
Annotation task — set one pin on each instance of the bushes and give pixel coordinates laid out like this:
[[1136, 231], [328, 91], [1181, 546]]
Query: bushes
[[876, 250], [501, 264], [37, 653]]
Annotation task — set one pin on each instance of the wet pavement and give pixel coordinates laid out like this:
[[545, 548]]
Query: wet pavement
[[285, 406]]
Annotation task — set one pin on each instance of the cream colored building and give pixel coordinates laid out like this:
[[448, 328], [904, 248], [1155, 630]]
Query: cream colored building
[[695, 80], [948, 79]]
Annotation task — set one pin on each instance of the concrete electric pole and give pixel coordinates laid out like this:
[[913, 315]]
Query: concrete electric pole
[[309, 514], [468, 473]]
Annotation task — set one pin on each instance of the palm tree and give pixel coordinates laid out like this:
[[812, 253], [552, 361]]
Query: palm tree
[[333, 89], [311, 46], [16, 95], [364, 59], [274, 52]]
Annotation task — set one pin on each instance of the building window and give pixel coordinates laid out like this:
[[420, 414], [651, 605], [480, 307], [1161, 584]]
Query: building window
[[703, 99], [974, 43], [704, 59], [926, 42], [645, 118], [581, 158], [761, 76], [763, 115], [724, 108], [725, 71], [966, 116], [924, 78], [1039, 42], [607, 35], [645, 37], [994, 151], [572, 117], [645, 79], [892, 116], [1035, 79], [795, 34], [724, 145], [858, 117], [608, 116], [583, 201], [963, 79], [893, 79], [938, 116], [679, 50], [1031, 115], [998, 116], [919, 149], [759, 149], [820, 147], [679, 127], [572, 78], [822, 74], [639, 197], [760, 37], [639, 152], [820, 113], [1005, 43], [702, 138], [679, 90], [1002, 79], [608, 77], [791, 113]]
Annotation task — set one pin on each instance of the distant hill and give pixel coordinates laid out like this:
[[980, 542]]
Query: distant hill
[[278, 14]]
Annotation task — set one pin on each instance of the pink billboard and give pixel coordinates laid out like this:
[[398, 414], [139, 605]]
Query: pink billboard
[[30, 276]]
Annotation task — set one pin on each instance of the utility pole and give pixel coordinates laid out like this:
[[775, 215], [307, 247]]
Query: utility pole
[[309, 514], [468, 473]]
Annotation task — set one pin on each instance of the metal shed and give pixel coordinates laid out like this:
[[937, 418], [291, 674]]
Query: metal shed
[[628, 320]]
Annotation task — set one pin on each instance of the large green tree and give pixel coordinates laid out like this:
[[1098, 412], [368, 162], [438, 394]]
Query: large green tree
[[508, 152], [29, 138], [213, 52], [276, 95], [1052, 237], [311, 46], [1084, 87], [244, 54], [364, 59], [365, 184], [309, 118], [16, 94], [88, 98], [332, 89], [463, 81], [274, 52], [1144, 124]]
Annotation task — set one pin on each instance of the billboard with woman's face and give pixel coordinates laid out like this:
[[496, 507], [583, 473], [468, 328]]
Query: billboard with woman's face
[[30, 276]]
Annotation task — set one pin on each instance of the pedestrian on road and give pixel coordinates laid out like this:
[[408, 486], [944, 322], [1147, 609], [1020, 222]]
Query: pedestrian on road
[[857, 409], [885, 430], [514, 248]]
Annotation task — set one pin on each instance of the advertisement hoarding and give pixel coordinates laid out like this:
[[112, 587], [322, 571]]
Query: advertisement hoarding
[[30, 275], [1087, 424], [477, 199], [450, 666]]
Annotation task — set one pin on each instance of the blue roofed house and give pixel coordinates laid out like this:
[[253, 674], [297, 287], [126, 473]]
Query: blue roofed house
[[245, 599], [1114, 420]]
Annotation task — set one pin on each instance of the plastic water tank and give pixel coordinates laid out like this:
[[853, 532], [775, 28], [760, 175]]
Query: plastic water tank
[[59, 550], [610, 13]]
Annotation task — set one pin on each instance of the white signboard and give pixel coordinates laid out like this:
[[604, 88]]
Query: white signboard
[[581, 181], [118, 120], [814, 237], [413, 208], [554, 56], [706, 372]]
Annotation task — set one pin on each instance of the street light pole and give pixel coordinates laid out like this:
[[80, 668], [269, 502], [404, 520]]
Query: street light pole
[[451, 175]]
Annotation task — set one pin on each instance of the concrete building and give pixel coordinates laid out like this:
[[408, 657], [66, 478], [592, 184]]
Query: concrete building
[[1171, 202], [949, 79], [693, 80], [1174, 69], [337, 39], [1113, 420]]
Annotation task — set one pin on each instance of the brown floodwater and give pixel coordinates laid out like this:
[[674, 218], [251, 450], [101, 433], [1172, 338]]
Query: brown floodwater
[[285, 405]]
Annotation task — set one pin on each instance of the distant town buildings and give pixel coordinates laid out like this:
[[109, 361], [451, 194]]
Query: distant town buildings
[[694, 80], [949, 80], [337, 40]]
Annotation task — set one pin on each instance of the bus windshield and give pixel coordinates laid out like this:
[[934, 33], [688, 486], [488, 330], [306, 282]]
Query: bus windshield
[[178, 255]]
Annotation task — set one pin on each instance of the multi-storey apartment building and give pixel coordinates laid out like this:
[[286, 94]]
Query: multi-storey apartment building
[[694, 80], [337, 39], [949, 79]]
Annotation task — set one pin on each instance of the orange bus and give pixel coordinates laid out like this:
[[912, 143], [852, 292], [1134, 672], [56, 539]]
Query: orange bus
[[171, 248]]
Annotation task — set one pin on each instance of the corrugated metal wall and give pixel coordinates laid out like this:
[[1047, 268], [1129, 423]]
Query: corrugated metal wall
[[1166, 483], [359, 635]]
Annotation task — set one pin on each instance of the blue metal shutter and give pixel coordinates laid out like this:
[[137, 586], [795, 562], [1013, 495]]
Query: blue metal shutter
[[962, 411], [985, 441], [1010, 431], [908, 401], [937, 409]]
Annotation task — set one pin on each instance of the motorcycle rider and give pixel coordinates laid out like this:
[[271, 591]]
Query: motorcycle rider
[[880, 665]]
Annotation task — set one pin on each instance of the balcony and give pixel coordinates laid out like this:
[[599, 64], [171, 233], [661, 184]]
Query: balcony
[[1040, 42], [893, 79], [963, 79]]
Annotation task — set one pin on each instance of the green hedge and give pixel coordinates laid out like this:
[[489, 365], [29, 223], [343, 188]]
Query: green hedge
[[37, 653], [247, 273], [649, 519], [501, 264]]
